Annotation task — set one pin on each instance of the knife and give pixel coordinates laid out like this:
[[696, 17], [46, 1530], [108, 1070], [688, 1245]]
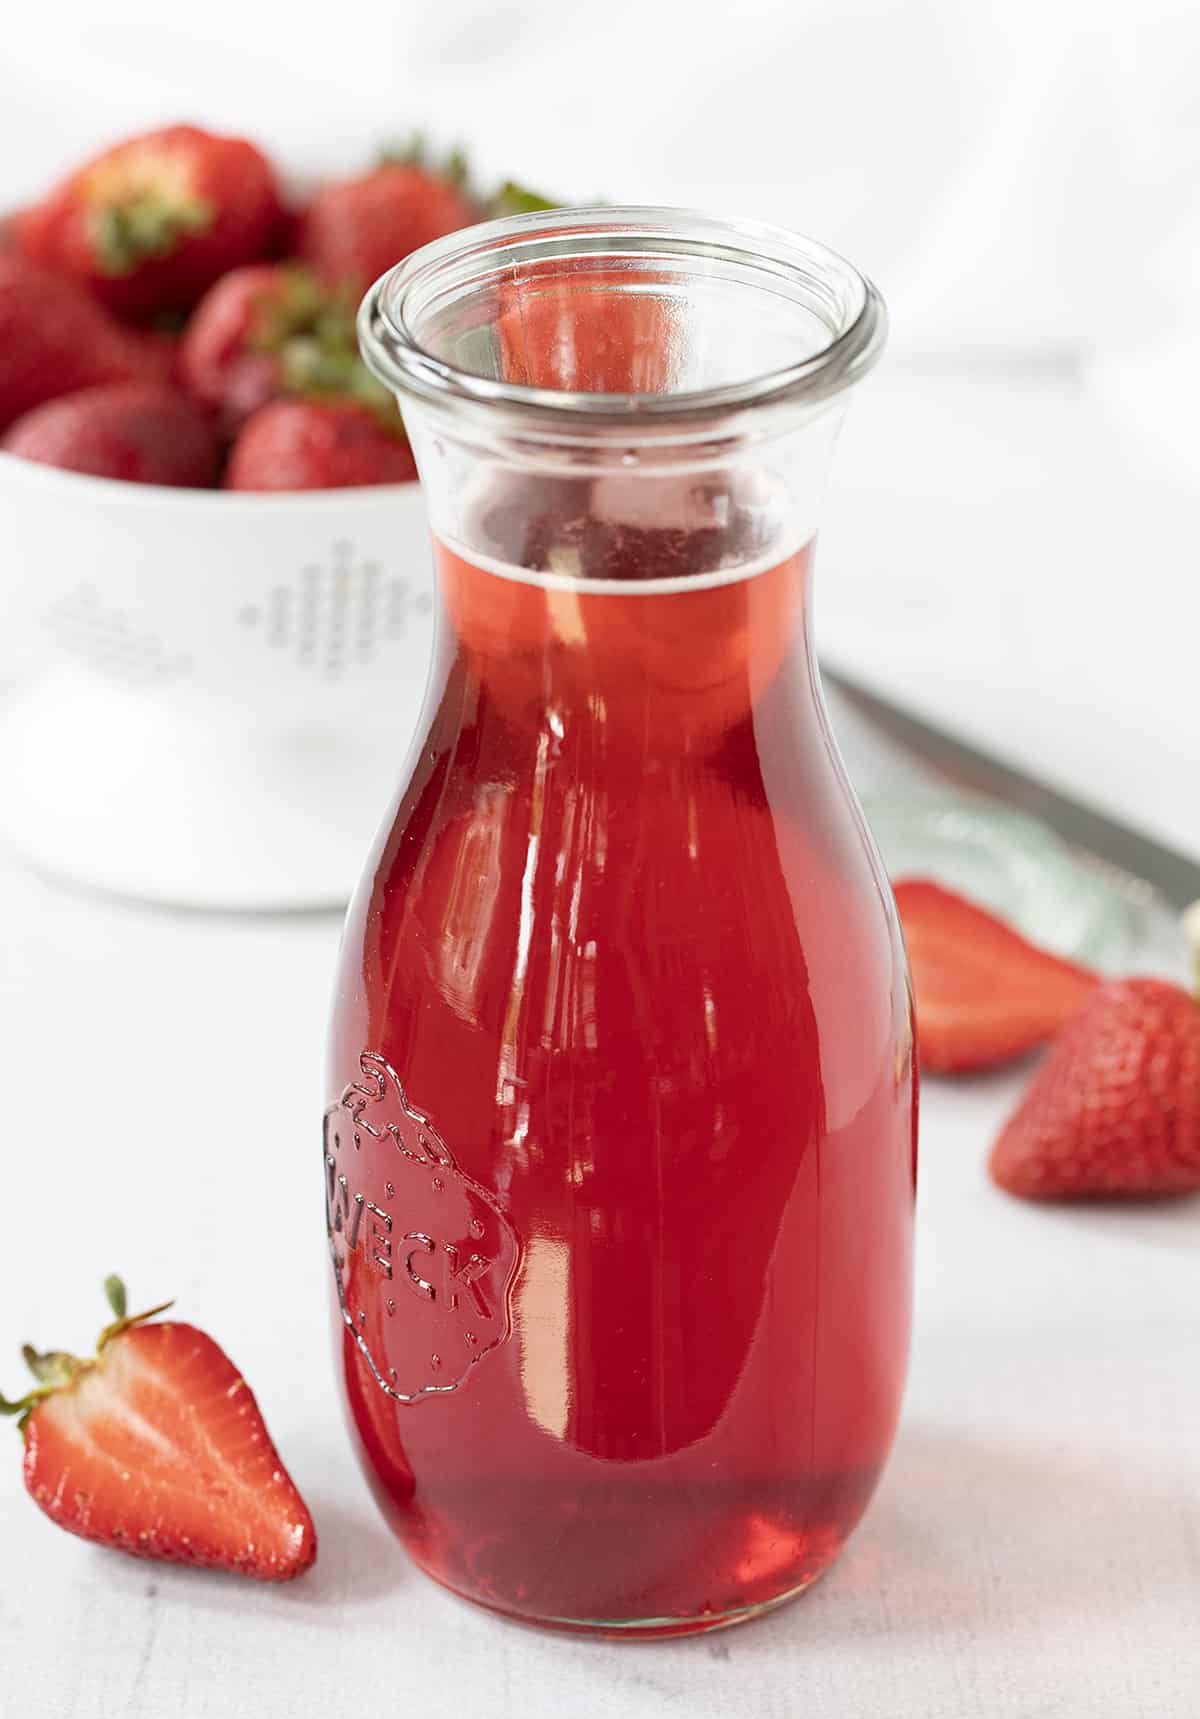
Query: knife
[[1172, 874]]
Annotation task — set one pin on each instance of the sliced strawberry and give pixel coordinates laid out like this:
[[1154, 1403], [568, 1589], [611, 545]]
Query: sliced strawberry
[[1115, 1107], [984, 995], [157, 1447]]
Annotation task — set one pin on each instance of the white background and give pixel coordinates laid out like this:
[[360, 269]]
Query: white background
[[1017, 552], [1012, 545]]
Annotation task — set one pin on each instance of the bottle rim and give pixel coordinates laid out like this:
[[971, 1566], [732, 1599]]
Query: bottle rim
[[830, 293]]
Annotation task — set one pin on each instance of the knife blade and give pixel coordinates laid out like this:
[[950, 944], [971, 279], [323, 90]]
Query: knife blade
[[1174, 875]]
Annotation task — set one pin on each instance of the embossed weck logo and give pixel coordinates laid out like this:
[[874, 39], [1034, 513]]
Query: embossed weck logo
[[423, 1256]]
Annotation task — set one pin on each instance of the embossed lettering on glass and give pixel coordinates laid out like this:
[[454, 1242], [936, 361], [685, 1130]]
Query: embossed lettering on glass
[[619, 1150]]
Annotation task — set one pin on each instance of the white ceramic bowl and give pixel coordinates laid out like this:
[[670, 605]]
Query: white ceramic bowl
[[210, 695]]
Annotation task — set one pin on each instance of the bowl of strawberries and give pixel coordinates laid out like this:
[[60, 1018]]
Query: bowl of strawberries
[[217, 615]]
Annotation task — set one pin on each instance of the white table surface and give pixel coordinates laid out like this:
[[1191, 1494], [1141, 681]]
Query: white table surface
[[1034, 1550]]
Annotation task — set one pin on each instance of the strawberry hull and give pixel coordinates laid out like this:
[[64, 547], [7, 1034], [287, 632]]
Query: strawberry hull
[[148, 225]]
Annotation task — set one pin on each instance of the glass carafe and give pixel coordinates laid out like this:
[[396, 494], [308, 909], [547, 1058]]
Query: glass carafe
[[620, 1142]]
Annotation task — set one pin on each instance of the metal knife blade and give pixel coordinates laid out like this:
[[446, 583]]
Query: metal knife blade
[[1172, 874]]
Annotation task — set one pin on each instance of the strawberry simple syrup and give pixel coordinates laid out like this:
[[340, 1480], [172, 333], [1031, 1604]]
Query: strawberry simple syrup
[[620, 1148]]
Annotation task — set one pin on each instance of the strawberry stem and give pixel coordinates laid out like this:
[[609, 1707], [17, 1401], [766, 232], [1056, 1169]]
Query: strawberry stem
[[54, 1369], [126, 1320], [411, 151], [24, 1406], [311, 332], [454, 167], [514, 199], [457, 167], [51, 1370], [145, 225]]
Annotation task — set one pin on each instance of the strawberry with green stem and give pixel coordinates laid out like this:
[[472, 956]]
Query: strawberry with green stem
[[150, 223], [272, 330], [155, 1446]]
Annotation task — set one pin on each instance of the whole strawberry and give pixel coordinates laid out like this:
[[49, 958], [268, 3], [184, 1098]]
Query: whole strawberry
[[355, 229], [149, 224], [273, 329], [156, 1446], [1115, 1107], [54, 339], [317, 444], [984, 994], [141, 432]]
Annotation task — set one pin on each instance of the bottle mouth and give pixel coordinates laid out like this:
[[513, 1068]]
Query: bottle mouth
[[639, 323]]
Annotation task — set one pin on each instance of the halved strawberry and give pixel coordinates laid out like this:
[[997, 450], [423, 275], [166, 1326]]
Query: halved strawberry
[[156, 1446], [984, 994]]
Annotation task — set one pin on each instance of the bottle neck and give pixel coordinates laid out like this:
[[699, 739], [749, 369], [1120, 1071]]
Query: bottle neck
[[650, 666]]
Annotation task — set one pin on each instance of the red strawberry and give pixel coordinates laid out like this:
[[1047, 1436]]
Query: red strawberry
[[149, 224], [983, 994], [1115, 1107], [584, 334], [355, 229], [163, 345], [229, 355], [144, 432], [317, 444], [157, 1447], [273, 329], [55, 339]]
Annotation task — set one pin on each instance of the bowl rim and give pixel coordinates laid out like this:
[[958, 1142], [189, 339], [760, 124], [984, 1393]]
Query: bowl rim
[[153, 497]]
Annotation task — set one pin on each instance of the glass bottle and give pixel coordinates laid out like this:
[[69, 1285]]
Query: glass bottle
[[620, 1143]]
